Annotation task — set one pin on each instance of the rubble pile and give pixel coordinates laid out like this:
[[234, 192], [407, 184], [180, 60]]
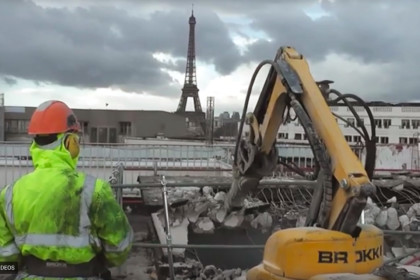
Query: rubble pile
[[389, 216], [395, 216], [210, 272], [201, 210], [192, 269], [204, 210]]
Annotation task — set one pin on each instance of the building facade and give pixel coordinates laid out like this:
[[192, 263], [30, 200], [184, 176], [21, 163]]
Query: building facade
[[101, 126], [395, 124]]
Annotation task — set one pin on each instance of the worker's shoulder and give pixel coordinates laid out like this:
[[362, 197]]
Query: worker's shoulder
[[16, 181]]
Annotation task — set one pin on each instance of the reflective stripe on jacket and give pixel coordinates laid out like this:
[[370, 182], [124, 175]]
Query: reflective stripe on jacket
[[58, 213]]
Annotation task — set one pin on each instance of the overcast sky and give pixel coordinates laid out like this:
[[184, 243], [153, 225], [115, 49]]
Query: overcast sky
[[132, 54]]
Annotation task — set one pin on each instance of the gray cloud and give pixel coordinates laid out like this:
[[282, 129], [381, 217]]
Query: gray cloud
[[108, 45], [373, 32], [10, 81], [104, 46]]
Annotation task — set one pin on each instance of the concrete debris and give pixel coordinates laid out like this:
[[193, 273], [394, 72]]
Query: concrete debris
[[234, 219], [371, 212], [153, 196], [397, 252], [405, 222], [196, 209], [218, 214], [301, 221], [203, 213], [208, 191], [210, 272], [188, 269], [392, 222], [392, 200], [394, 216], [381, 218], [179, 233], [291, 218], [253, 203], [210, 205], [414, 210], [263, 221], [204, 225], [192, 269], [291, 215], [220, 196]]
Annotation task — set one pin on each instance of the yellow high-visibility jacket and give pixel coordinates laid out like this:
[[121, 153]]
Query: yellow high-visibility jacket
[[60, 214]]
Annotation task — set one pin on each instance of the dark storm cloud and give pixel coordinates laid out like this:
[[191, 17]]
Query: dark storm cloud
[[105, 46], [377, 32], [98, 46], [374, 32]]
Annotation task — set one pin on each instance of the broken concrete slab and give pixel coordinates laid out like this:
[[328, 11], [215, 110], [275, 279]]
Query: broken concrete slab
[[179, 233]]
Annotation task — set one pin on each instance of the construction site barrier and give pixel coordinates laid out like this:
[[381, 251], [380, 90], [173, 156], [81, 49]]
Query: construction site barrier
[[275, 183], [182, 159], [145, 159], [179, 158]]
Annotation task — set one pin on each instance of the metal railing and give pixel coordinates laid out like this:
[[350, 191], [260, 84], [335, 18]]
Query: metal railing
[[99, 160], [168, 159]]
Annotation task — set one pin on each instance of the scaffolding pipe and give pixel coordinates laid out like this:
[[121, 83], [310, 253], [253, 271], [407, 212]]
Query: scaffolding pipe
[[224, 184], [257, 246], [168, 229], [196, 246]]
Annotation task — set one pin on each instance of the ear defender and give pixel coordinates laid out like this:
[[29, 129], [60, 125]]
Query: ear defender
[[71, 143]]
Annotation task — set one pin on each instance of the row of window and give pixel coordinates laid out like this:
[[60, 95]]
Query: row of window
[[409, 140], [96, 135], [109, 134], [381, 109], [386, 123], [103, 135], [380, 123], [355, 138], [305, 162], [16, 126]]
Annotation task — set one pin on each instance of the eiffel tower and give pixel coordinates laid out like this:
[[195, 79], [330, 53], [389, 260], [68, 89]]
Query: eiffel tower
[[196, 118]]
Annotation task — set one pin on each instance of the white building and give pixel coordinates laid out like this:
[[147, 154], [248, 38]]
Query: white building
[[397, 135], [395, 124]]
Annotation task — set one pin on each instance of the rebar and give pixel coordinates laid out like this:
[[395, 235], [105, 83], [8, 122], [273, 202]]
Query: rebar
[[401, 257]]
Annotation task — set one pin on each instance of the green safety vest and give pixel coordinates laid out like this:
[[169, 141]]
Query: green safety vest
[[56, 213]]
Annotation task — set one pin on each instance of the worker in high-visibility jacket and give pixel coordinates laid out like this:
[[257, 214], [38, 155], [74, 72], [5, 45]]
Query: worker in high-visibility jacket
[[55, 220]]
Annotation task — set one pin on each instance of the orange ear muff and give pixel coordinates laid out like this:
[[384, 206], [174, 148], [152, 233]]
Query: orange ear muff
[[71, 143]]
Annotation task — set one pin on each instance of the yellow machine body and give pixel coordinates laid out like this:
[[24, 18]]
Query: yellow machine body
[[310, 253]]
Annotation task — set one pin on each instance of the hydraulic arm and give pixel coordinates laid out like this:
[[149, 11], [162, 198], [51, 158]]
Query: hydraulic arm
[[344, 183]]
